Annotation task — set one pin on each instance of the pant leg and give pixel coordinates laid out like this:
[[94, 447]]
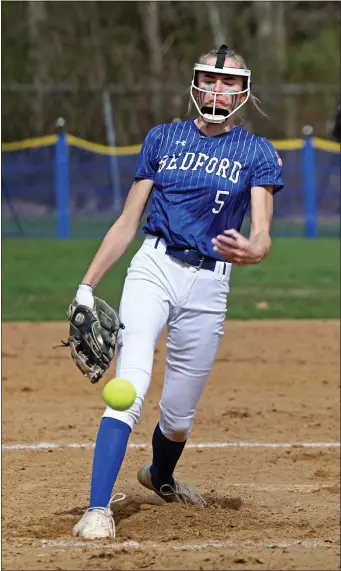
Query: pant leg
[[144, 310], [193, 339]]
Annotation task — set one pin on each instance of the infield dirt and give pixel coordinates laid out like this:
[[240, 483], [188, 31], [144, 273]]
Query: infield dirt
[[269, 507]]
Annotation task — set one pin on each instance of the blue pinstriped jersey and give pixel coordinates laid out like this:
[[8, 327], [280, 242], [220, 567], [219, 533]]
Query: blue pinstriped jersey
[[202, 184]]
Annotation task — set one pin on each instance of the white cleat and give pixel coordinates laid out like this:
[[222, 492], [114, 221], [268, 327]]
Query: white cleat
[[97, 523]]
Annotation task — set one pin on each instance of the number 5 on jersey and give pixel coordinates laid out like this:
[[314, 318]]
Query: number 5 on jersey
[[220, 202]]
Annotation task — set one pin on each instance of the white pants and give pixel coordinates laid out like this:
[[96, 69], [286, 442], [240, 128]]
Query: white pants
[[160, 290]]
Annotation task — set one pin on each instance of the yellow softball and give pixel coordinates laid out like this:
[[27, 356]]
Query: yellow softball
[[119, 394]]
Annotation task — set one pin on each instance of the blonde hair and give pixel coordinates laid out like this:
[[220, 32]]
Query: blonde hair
[[242, 65]]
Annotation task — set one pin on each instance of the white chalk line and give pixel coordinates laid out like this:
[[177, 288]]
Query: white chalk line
[[214, 544], [197, 445], [278, 487]]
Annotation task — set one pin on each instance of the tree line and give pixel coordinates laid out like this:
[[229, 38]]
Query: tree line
[[128, 65]]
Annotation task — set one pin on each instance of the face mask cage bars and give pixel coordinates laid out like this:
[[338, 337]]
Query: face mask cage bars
[[219, 117]]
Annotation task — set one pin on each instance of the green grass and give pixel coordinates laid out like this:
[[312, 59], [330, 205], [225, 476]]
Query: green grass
[[96, 226], [300, 279]]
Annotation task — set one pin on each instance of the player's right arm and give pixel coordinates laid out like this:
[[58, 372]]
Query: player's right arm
[[121, 233], [124, 229]]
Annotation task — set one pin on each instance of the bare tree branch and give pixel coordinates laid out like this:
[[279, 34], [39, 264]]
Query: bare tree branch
[[219, 37], [151, 22], [36, 18]]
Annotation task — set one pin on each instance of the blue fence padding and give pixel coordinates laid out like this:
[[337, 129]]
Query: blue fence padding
[[50, 194], [289, 201], [91, 186], [328, 184], [29, 175]]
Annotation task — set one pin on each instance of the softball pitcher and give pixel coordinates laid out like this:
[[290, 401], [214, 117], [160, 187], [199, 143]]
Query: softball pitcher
[[202, 173]]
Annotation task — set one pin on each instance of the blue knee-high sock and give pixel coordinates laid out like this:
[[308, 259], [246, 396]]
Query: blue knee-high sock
[[110, 449], [166, 454]]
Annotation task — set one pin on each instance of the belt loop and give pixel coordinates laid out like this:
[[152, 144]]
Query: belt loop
[[157, 243], [224, 271]]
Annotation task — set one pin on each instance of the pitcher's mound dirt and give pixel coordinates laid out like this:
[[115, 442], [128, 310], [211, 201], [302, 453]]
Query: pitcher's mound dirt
[[268, 507]]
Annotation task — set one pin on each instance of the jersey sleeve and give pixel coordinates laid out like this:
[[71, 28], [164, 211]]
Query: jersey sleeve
[[147, 163], [267, 170]]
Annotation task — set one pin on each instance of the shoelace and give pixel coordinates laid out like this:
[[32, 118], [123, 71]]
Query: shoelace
[[117, 497], [183, 493]]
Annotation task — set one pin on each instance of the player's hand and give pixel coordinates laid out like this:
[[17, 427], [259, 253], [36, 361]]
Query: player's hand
[[237, 249], [85, 296]]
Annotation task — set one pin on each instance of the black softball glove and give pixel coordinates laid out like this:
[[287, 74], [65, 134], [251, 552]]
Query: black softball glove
[[92, 337]]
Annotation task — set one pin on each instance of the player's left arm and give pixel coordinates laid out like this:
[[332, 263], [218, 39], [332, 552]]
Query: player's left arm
[[240, 250], [265, 181], [262, 206]]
